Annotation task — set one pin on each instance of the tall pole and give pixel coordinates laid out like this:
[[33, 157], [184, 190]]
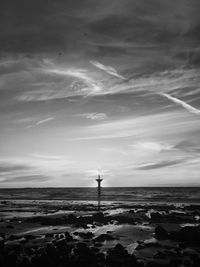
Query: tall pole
[[99, 180]]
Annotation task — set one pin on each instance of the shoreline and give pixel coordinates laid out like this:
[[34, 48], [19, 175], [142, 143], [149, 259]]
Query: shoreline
[[139, 231]]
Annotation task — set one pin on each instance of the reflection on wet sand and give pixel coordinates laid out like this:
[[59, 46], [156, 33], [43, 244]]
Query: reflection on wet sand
[[154, 232]]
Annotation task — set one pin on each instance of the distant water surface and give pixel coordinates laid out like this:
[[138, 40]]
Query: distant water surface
[[121, 194]]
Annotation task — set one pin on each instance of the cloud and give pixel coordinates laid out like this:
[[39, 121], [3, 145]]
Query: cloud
[[9, 167], [114, 150], [160, 164], [47, 157], [110, 70], [100, 55], [188, 146], [182, 103], [98, 171], [41, 122], [152, 146], [93, 116], [18, 170], [161, 125], [93, 85], [138, 22], [34, 166], [45, 120], [50, 79], [26, 178]]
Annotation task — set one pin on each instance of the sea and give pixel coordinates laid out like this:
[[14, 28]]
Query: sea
[[117, 194]]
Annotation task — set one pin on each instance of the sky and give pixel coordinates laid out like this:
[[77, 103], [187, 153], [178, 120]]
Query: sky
[[109, 87]]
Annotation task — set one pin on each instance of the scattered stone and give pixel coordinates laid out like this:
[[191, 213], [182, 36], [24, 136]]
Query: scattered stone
[[160, 233], [98, 217], [29, 237], [118, 256], [103, 237], [49, 235], [13, 237], [9, 226], [87, 235], [188, 234]]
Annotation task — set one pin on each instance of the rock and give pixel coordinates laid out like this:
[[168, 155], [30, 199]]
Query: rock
[[62, 236], [95, 249], [158, 264], [87, 235], [49, 235], [81, 225], [175, 263], [24, 262], [13, 237], [29, 237], [75, 233], [29, 251], [84, 256], [121, 219], [67, 234], [10, 226], [98, 217], [119, 247], [103, 237], [81, 248], [68, 237], [188, 234], [156, 217], [98, 245], [160, 233], [118, 256], [56, 236], [2, 244], [63, 247]]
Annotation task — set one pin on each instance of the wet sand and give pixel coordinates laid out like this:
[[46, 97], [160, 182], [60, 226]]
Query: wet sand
[[156, 234]]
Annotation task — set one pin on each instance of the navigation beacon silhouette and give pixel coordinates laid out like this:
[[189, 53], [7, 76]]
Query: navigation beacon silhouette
[[99, 180]]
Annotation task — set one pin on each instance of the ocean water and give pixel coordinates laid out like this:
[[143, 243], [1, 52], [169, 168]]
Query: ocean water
[[117, 194]]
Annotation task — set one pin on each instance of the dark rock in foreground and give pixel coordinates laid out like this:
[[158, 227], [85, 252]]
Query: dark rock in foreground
[[160, 233], [103, 237], [188, 234], [119, 257]]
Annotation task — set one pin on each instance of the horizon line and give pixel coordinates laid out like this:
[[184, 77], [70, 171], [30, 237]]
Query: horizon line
[[79, 187]]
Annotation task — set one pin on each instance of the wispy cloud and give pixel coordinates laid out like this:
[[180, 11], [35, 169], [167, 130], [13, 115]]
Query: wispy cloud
[[34, 167], [51, 80], [15, 170], [9, 167], [110, 70], [164, 81], [45, 120], [41, 122], [182, 103], [93, 116], [94, 86], [160, 164], [188, 146], [114, 150], [26, 178], [153, 146], [160, 125], [47, 157]]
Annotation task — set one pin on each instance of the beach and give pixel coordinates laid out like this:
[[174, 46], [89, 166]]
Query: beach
[[61, 232], [100, 133]]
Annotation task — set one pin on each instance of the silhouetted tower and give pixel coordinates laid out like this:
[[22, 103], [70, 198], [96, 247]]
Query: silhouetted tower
[[99, 180]]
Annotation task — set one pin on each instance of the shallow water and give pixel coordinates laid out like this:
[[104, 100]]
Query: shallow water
[[120, 194]]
